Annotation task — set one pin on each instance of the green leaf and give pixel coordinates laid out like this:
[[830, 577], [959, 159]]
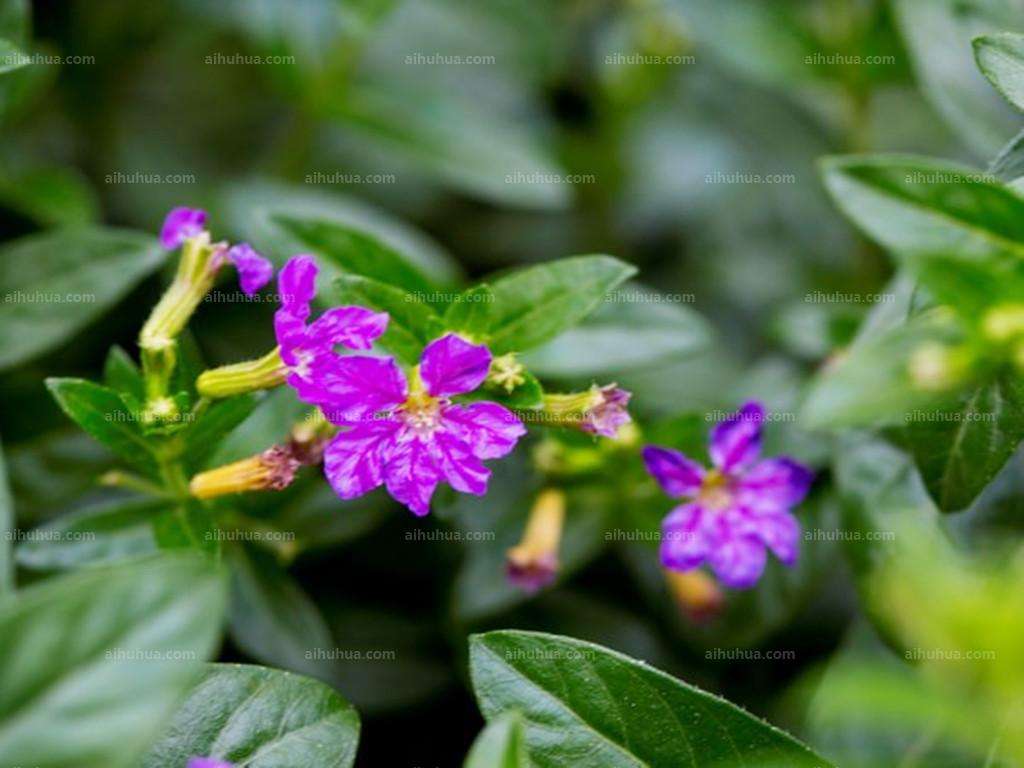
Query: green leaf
[[535, 304], [500, 744], [1001, 59], [95, 535], [259, 718], [911, 204], [6, 529], [11, 57], [57, 196], [631, 329], [1009, 163], [352, 251], [95, 662], [960, 448], [188, 525], [102, 413], [609, 710], [121, 374], [938, 35], [205, 434], [470, 312], [270, 423], [271, 618], [56, 283], [412, 322]]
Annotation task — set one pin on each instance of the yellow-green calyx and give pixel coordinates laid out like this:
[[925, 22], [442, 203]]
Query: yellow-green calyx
[[935, 367], [267, 372], [506, 372], [570, 409]]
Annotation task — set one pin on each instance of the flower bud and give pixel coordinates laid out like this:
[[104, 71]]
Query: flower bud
[[267, 372], [696, 593], [533, 563], [272, 470]]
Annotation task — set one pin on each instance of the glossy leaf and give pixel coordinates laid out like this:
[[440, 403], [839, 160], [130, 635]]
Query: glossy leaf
[[54, 284], [121, 374], [259, 718], [470, 312], [214, 423], [412, 322], [535, 304], [585, 705], [500, 744], [95, 662], [1001, 59], [104, 415]]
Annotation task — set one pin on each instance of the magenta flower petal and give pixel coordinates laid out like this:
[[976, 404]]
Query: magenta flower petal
[[354, 459], [411, 473], [355, 327], [684, 541], [491, 429], [208, 762], [461, 468], [181, 224], [296, 284], [781, 532], [736, 442], [676, 474], [254, 271], [774, 484], [738, 559], [451, 366], [353, 388], [290, 331]]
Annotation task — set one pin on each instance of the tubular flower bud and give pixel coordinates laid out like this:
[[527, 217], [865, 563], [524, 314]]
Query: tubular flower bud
[[696, 593], [599, 410], [272, 470], [533, 563], [265, 373]]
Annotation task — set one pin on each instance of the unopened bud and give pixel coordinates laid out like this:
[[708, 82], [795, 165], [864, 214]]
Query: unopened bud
[[533, 563], [272, 470]]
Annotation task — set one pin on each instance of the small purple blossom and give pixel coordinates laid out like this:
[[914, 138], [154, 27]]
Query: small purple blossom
[[181, 224], [315, 370], [254, 271], [207, 762], [735, 510], [610, 415], [407, 434]]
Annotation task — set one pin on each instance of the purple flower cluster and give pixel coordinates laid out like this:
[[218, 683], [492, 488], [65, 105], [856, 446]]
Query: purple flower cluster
[[183, 224], [736, 510], [404, 433]]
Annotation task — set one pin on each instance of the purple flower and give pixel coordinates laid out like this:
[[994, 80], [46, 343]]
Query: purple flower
[[315, 370], [735, 510], [207, 762], [181, 224], [610, 415], [254, 271], [408, 435]]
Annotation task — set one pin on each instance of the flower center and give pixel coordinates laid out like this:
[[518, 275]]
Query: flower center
[[421, 413], [716, 491]]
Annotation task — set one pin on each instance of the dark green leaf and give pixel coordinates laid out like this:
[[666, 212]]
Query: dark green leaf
[[213, 424], [960, 448], [609, 710], [269, 424], [98, 534], [1001, 59], [500, 744], [51, 196], [535, 304], [188, 525], [121, 374], [317, 518], [102, 413], [95, 662], [259, 718], [271, 618], [54, 284], [353, 251], [911, 204], [470, 313], [412, 322]]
